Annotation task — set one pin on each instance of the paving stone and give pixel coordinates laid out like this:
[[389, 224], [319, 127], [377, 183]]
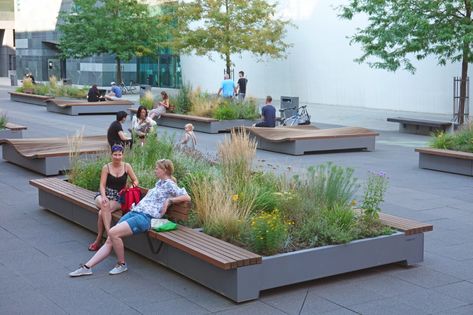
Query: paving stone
[[252, 308], [429, 301], [424, 277], [389, 306], [463, 310], [28, 302], [462, 291]]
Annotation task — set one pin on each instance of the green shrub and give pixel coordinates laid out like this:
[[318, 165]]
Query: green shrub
[[225, 111], [327, 186], [247, 109], [147, 100], [461, 140], [86, 173], [267, 233], [181, 102], [41, 89], [375, 188], [3, 120]]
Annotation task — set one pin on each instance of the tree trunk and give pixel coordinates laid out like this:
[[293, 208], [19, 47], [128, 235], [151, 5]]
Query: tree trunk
[[228, 62], [119, 71], [464, 78]]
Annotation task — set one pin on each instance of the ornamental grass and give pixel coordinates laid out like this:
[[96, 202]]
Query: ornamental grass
[[461, 140], [261, 211], [3, 120]]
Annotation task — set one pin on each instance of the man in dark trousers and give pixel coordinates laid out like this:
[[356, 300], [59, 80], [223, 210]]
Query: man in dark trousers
[[241, 86], [115, 134], [268, 113]]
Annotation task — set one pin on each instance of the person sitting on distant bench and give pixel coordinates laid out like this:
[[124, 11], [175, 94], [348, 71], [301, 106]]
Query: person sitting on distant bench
[[94, 94], [115, 92], [115, 134], [268, 114]]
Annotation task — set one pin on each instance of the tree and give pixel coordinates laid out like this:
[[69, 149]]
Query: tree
[[229, 27], [123, 28], [402, 29]]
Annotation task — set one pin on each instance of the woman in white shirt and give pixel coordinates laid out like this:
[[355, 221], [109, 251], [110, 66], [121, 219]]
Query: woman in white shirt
[[141, 124]]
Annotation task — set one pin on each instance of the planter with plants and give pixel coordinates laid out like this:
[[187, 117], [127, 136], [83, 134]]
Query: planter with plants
[[38, 94], [449, 152], [306, 226], [9, 130], [209, 113]]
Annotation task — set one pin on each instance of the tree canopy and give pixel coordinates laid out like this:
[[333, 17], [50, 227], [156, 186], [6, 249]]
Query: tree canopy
[[229, 27], [401, 30], [123, 28]]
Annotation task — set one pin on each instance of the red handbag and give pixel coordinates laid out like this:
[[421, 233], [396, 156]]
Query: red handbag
[[129, 197]]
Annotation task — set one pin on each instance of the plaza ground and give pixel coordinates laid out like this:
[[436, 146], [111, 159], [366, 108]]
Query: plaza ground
[[38, 248]]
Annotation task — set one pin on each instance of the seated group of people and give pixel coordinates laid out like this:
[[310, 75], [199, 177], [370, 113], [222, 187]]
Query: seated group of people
[[157, 201], [95, 95]]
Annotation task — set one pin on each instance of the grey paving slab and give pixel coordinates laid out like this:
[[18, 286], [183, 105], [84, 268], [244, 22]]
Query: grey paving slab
[[462, 291], [430, 301], [463, 310], [38, 249]]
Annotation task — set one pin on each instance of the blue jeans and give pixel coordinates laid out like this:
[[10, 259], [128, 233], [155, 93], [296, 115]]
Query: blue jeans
[[139, 222]]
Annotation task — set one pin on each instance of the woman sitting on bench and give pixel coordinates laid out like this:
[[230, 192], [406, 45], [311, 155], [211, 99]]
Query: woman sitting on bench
[[112, 179], [142, 124], [161, 108], [138, 220]]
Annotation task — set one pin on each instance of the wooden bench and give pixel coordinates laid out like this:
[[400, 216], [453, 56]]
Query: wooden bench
[[12, 131], [450, 161], [408, 226], [229, 270], [298, 140], [49, 156], [72, 107], [29, 98], [195, 243], [421, 126]]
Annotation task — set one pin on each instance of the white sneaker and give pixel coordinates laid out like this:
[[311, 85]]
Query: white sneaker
[[82, 271], [119, 268]]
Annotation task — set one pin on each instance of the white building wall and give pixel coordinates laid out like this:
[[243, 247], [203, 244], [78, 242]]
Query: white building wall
[[320, 68]]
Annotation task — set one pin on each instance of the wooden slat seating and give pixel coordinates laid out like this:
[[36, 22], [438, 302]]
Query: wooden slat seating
[[13, 126], [409, 227], [446, 153], [293, 134], [69, 103], [39, 97], [214, 251], [49, 147]]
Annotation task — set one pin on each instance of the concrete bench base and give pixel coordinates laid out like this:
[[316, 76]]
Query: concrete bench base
[[29, 98], [299, 147], [11, 134], [246, 283], [449, 164], [79, 110], [421, 126], [202, 126]]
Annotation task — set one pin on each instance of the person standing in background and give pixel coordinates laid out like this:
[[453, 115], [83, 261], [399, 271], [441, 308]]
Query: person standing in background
[[241, 86], [227, 88]]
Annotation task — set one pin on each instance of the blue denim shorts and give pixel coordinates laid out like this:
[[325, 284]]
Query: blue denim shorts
[[139, 222]]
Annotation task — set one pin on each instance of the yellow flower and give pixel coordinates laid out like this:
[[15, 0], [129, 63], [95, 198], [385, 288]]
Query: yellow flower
[[235, 197], [353, 202]]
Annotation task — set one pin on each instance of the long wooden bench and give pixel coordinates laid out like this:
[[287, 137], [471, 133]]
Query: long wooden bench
[[49, 156], [421, 126], [72, 107], [209, 249], [408, 226], [229, 270], [302, 139], [450, 161], [29, 98], [12, 131]]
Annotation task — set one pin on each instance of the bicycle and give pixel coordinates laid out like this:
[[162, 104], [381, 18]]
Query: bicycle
[[301, 117], [130, 89]]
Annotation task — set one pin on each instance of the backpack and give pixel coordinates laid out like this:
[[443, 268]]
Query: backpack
[[129, 197]]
